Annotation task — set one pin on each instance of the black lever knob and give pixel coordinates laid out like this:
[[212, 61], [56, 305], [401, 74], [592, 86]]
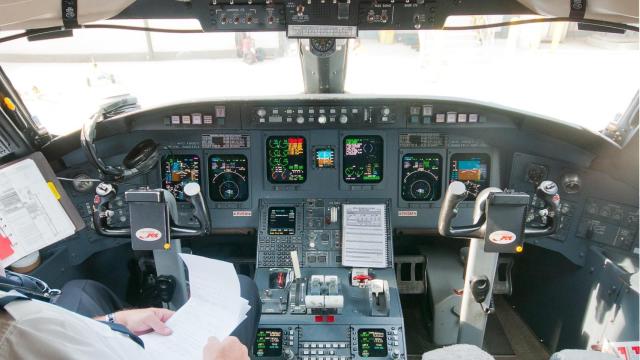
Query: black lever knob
[[166, 285], [480, 287]]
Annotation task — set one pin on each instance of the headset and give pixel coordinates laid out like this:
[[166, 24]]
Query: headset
[[139, 160]]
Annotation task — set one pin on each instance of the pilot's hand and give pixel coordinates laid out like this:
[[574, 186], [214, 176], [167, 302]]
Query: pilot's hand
[[142, 321], [229, 349]]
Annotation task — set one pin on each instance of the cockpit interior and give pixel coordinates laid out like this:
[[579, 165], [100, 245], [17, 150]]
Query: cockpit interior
[[394, 179]]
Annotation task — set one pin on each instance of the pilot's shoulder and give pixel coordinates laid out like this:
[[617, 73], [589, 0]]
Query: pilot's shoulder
[[37, 330]]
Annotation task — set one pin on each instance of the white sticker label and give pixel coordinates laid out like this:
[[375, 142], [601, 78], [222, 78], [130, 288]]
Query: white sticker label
[[502, 237], [242, 213], [411, 213], [148, 234]]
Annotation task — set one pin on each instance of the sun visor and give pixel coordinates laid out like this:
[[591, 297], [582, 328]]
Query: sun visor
[[621, 11], [35, 14]]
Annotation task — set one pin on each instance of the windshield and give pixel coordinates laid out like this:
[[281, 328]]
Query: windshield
[[585, 78]]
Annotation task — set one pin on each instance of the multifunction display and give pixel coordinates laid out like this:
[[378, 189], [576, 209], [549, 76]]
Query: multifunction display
[[324, 158], [228, 179], [372, 343], [268, 343], [178, 171], [362, 158], [472, 170], [286, 159], [282, 220], [421, 177]]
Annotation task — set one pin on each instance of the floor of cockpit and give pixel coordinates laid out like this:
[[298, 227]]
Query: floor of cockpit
[[416, 322]]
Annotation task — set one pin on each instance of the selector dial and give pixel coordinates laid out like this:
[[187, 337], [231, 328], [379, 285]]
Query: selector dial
[[322, 119]]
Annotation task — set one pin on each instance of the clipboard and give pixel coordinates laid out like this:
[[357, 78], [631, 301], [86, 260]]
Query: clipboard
[[35, 210], [50, 176]]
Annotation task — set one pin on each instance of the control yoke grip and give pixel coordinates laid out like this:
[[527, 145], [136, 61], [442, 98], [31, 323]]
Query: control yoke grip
[[456, 193], [106, 192], [201, 212], [548, 192]]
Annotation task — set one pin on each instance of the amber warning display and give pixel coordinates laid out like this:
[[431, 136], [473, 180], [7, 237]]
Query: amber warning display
[[372, 343], [286, 159], [268, 343]]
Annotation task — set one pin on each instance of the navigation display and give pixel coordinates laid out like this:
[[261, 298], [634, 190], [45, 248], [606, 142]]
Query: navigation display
[[472, 170], [324, 158], [228, 179], [268, 343], [421, 177], [286, 159], [362, 159], [372, 343], [178, 171], [282, 220]]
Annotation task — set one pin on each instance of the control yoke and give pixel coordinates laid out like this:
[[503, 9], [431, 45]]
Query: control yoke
[[498, 219], [491, 198], [150, 205]]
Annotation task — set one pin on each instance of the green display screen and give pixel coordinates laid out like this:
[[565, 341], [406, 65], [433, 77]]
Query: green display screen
[[372, 343], [362, 158], [268, 343], [286, 159]]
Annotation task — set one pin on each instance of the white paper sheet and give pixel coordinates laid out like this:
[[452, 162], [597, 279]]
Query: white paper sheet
[[215, 308], [364, 235], [30, 215]]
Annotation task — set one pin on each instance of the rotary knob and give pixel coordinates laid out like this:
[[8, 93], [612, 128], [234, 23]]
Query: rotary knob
[[344, 119], [287, 354], [395, 354], [261, 112], [300, 119], [386, 111], [322, 119]]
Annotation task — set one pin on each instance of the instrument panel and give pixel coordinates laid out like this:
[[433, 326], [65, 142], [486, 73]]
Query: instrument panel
[[406, 150]]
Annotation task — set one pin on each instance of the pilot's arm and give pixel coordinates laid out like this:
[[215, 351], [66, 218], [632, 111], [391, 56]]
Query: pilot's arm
[[141, 321]]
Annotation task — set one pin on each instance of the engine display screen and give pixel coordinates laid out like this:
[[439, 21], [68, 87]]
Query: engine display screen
[[268, 343], [282, 220], [324, 158], [178, 171], [472, 170], [286, 159], [228, 179], [372, 343], [421, 177], [362, 159]]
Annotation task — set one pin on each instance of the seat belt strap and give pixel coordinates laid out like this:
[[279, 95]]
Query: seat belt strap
[[123, 330], [5, 300]]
